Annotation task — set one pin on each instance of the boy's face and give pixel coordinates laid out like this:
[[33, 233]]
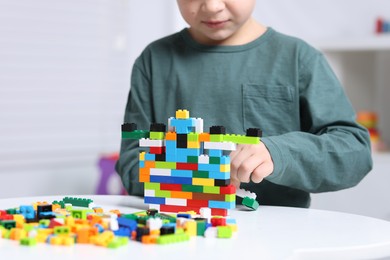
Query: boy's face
[[222, 22]]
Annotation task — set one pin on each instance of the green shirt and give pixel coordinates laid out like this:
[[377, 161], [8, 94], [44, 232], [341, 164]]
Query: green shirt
[[276, 83]]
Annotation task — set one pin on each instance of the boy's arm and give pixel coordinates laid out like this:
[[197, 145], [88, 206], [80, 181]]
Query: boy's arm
[[138, 110], [332, 151]]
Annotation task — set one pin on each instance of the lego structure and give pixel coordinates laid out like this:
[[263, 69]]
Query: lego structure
[[185, 168]]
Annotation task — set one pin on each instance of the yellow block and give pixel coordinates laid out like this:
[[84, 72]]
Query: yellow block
[[203, 181], [182, 114], [190, 228], [142, 156], [17, 234], [193, 144], [224, 167]]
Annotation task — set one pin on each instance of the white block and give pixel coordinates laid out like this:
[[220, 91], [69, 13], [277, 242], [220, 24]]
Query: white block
[[198, 125], [150, 143], [154, 223], [176, 202], [227, 146], [160, 172], [150, 193], [244, 193], [204, 159], [154, 206]]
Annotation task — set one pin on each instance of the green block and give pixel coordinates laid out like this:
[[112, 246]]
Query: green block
[[79, 213], [200, 174], [8, 224], [165, 165], [162, 193], [118, 242], [211, 189], [44, 222], [166, 217], [152, 186], [61, 230], [28, 241], [78, 202], [224, 232], [214, 160], [129, 216], [11, 211], [137, 134], [192, 188], [216, 138], [193, 137], [192, 159], [250, 203], [157, 135], [172, 238], [241, 139], [200, 227], [61, 203], [230, 197]]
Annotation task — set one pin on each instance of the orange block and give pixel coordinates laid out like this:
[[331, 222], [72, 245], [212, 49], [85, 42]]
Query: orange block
[[181, 195], [149, 165], [204, 137], [83, 236], [170, 136], [144, 177]]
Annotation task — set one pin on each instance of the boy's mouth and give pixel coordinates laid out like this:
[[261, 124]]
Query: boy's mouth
[[215, 24]]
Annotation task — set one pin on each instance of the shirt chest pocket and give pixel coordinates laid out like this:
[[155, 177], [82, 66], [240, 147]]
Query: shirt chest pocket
[[269, 107]]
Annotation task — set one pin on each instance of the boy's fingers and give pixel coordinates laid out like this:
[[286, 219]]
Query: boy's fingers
[[262, 171]]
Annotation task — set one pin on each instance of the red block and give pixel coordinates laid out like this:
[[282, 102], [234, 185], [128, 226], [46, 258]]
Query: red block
[[215, 222], [172, 187], [198, 203], [219, 212], [230, 189], [6, 217], [157, 150], [175, 209], [187, 166]]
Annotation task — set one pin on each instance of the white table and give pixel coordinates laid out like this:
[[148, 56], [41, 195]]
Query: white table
[[268, 233]]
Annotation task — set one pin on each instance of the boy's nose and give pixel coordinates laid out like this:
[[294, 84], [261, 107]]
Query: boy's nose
[[213, 6]]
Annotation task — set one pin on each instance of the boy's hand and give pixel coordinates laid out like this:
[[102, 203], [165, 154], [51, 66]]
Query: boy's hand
[[250, 162]]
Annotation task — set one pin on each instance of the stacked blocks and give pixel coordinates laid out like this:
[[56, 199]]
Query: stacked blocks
[[186, 169]]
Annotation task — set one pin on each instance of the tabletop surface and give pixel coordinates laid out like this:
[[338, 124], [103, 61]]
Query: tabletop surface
[[268, 233]]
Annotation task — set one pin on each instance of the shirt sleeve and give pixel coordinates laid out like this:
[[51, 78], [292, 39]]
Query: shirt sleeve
[[138, 110], [331, 152]]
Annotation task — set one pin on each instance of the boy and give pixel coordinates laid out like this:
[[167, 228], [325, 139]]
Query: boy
[[231, 70]]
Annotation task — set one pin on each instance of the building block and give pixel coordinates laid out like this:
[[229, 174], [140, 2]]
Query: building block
[[192, 167]]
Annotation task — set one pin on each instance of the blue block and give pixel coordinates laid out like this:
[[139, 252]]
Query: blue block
[[221, 204], [225, 160], [170, 180], [141, 164], [181, 173], [170, 151], [215, 153], [131, 224], [27, 211], [150, 157], [123, 232], [219, 175], [209, 167], [231, 221], [154, 200], [183, 126]]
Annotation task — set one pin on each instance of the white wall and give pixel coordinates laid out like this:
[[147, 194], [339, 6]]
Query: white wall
[[64, 79]]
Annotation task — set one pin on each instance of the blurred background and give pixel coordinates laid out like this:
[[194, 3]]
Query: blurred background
[[65, 76]]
